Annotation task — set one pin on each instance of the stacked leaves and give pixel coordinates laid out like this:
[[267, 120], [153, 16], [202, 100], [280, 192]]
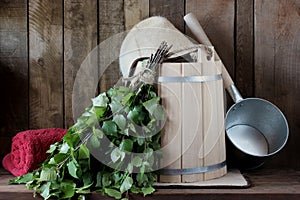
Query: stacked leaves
[[111, 149]]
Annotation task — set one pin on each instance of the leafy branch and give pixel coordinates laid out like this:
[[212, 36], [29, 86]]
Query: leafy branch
[[126, 117]]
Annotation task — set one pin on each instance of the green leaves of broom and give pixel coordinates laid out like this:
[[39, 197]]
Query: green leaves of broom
[[71, 171]]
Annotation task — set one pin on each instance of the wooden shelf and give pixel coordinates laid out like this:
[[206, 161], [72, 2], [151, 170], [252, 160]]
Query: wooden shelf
[[265, 184]]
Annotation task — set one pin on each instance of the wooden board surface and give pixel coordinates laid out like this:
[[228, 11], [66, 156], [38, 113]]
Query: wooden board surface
[[111, 22], [244, 45], [212, 112], [217, 19], [266, 184], [277, 58], [171, 95], [173, 10], [45, 64], [13, 71], [80, 38], [192, 123], [231, 180], [134, 12]]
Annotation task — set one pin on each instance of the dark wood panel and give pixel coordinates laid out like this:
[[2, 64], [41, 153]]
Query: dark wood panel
[[244, 69], [46, 66], [173, 10], [13, 71], [111, 22], [217, 19], [277, 72], [80, 38], [134, 12]]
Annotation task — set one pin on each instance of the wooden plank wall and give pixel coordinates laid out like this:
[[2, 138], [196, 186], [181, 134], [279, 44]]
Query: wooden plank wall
[[13, 71], [44, 42]]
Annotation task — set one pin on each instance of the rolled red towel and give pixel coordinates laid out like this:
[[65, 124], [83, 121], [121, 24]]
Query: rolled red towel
[[29, 148]]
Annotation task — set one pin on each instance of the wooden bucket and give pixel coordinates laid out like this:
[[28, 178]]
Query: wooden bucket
[[193, 137]]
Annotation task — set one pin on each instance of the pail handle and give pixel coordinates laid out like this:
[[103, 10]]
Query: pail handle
[[200, 35]]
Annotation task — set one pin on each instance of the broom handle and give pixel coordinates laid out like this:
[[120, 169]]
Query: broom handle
[[195, 27]]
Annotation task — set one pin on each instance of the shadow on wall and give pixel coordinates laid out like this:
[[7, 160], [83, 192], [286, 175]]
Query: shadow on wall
[[14, 104]]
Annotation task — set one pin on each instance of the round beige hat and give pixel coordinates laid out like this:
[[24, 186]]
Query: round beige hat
[[145, 37]]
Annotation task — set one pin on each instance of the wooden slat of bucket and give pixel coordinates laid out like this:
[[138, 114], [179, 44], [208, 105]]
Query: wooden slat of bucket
[[171, 100], [192, 135], [213, 121], [221, 119]]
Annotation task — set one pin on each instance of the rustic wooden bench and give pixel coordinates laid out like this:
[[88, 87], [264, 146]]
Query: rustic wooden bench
[[265, 184]]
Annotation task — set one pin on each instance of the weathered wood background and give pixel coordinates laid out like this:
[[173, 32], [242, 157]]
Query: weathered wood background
[[44, 42]]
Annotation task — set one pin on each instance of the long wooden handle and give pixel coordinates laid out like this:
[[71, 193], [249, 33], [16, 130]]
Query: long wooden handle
[[195, 27]]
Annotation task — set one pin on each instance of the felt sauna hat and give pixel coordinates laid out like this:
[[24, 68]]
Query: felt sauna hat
[[145, 37]]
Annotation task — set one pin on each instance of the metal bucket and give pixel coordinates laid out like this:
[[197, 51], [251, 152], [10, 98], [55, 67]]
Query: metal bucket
[[256, 129]]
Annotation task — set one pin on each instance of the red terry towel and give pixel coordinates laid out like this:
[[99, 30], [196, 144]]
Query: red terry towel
[[29, 148]]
